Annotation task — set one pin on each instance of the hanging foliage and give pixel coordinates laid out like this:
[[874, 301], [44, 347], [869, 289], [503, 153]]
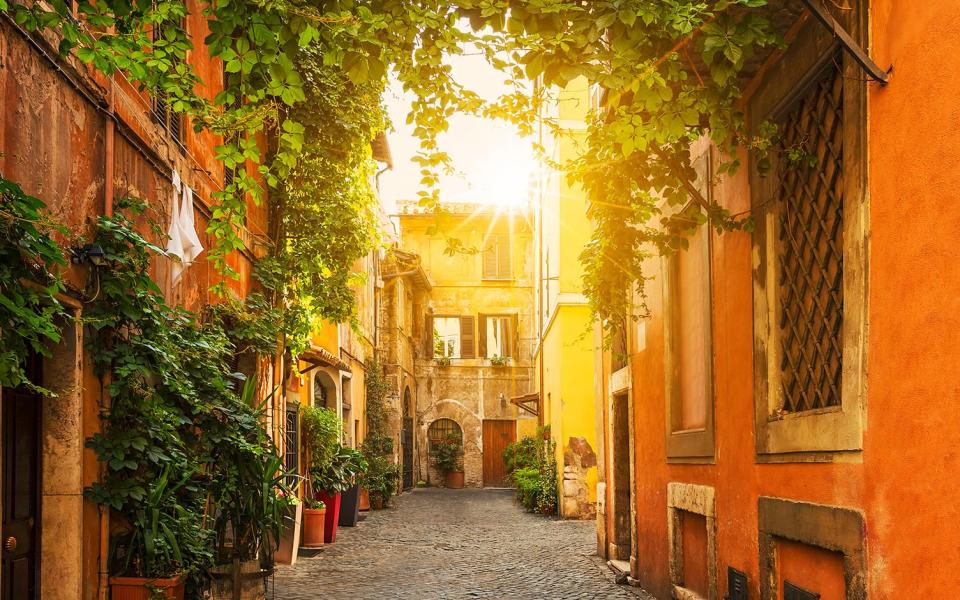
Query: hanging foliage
[[29, 313]]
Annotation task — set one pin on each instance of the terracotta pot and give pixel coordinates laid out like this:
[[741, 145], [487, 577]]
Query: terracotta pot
[[377, 502], [364, 499], [454, 480], [332, 501], [135, 588], [313, 522]]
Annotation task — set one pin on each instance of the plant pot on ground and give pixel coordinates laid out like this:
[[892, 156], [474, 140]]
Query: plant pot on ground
[[350, 506], [145, 588], [364, 498], [380, 480], [332, 479], [248, 576], [314, 518], [290, 538], [453, 480], [447, 455]]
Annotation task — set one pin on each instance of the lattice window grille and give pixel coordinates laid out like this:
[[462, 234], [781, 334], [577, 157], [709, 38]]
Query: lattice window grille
[[810, 256], [440, 429]]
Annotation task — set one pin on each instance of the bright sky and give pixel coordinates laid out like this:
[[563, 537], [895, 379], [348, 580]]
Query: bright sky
[[493, 163]]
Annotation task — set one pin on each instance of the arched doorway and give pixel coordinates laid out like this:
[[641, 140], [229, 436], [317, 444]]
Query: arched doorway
[[324, 391], [406, 440]]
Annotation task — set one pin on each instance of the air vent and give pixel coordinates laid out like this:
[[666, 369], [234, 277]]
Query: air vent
[[736, 585], [792, 592]]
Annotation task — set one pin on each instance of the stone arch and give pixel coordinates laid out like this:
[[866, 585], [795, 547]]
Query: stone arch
[[471, 426]]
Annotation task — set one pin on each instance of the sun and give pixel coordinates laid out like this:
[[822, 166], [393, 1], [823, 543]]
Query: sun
[[504, 178]]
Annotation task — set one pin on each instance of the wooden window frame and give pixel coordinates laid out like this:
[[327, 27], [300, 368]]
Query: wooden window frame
[[514, 348], [499, 242], [468, 335], [818, 435], [691, 445]]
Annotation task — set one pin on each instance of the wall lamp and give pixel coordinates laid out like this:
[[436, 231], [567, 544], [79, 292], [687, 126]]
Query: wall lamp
[[91, 253]]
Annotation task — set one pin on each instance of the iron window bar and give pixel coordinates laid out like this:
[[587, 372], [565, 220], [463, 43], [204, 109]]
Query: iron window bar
[[849, 44]]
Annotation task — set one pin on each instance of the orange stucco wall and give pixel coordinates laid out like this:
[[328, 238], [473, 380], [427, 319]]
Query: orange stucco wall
[[902, 480]]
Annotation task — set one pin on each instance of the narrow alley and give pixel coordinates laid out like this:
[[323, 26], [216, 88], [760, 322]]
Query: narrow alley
[[438, 543]]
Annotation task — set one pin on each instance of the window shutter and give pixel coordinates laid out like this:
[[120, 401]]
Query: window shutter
[[428, 336], [481, 336], [490, 258], [504, 270], [467, 338], [515, 336]]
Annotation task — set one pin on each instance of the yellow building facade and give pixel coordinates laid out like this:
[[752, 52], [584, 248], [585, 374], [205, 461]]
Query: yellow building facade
[[474, 333], [564, 352]]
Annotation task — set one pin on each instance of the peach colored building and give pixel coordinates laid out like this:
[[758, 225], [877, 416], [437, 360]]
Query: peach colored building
[[782, 425]]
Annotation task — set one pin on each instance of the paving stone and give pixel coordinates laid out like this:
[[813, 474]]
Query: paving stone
[[455, 544]]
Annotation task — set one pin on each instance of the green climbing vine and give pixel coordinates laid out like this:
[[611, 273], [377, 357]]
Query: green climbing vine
[[30, 312]]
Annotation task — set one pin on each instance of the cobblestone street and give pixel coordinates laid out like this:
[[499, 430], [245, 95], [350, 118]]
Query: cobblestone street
[[438, 543]]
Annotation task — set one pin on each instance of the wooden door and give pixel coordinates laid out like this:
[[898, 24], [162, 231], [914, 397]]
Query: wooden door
[[20, 535], [497, 435]]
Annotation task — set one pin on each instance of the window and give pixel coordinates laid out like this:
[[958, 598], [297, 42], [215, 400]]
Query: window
[[810, 279], [498, 336], [441, 429], [688, 344], [160, 110], [496, 256], [291, 455], [452, 336], [447, 337]]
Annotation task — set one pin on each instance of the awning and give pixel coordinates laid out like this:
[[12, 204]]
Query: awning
[[528, 402], [321, 357]]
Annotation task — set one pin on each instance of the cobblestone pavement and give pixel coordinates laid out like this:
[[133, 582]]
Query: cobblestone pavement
[[451, 544]]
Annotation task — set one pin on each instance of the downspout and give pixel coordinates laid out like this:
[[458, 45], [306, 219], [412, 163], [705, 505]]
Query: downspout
[[108, 167], [540, 402]]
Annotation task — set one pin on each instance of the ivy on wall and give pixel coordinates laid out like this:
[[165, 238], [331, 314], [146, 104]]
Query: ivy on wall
[[30, 313]]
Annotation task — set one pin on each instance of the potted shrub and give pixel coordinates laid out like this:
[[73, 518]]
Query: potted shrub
[[331, 480], [290, 537], [322, 431], [447, 457], [380, 480], [354, 465], [248, 499], [314, 515], [149, 556]]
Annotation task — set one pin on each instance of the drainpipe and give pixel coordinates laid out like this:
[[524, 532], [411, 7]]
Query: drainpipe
[[540, 280], [104, 513]]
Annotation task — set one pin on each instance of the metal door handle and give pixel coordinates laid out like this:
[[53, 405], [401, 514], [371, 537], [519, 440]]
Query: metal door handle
[[10, 544]]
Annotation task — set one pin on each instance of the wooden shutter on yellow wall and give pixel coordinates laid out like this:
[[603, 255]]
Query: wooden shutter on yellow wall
[[490, 258], [514, 347], [481, 336], [467, 338], [428, 336], [503, 256]]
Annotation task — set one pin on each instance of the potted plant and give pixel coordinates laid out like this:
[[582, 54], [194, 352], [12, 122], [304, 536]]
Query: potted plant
[[331, 480], [248, 498], [448, 459], [499, 361], [290, 537], [327, 475], [354, 464], [380, 480], [314, 515], [148, 556]]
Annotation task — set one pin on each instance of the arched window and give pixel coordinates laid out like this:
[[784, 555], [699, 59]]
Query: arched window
[[324, 391], [440, 429]]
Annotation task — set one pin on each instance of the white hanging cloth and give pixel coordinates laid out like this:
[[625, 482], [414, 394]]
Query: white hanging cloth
[[184, 242]]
